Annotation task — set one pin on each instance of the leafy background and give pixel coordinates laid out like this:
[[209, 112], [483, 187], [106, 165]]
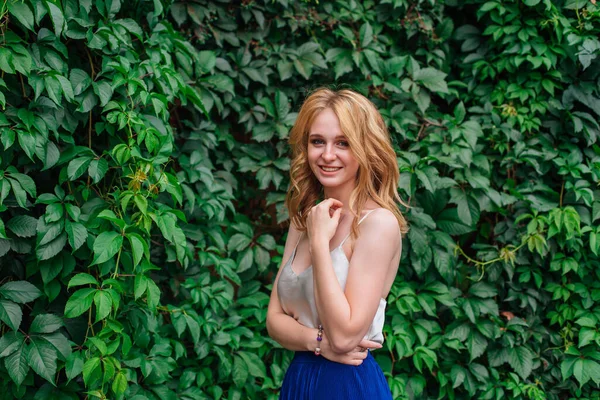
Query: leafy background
[[143, 166]]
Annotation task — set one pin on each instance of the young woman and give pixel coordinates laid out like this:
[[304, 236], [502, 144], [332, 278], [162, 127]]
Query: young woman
[[342, 254]]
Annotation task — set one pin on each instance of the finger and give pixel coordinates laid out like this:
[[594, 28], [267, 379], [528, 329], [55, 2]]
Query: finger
[[370, 344], [360, 355], [332, 203], [336, 214]]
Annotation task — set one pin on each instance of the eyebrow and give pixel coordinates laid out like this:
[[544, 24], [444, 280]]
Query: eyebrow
[[318, 134]]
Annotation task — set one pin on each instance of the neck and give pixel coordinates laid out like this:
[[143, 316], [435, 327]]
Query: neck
[[341, 193]]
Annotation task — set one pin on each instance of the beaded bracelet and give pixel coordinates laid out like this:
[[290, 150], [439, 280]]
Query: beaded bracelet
[[319, 339]]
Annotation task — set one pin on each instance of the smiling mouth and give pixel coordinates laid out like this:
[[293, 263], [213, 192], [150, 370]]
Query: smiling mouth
[[329, 169]]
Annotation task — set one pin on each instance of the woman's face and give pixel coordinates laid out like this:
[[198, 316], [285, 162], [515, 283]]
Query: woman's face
[[329, 154]]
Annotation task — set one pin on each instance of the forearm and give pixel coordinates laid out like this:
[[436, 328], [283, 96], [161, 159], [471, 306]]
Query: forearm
[[291, 334], [332, 304]]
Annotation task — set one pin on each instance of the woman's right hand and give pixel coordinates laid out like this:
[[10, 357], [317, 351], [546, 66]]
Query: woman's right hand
[[354, 357]]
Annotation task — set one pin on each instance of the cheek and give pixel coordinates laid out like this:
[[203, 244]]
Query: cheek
[[312, 155], [351, 162]]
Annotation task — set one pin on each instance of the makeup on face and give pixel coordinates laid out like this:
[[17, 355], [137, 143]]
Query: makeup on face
[[329, 153]]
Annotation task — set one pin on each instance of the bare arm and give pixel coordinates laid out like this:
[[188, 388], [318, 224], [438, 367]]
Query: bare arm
[[347, 315], [284, 329], [292, 335]]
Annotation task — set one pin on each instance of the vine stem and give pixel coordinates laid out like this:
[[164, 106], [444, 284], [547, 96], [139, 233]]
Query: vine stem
[[90, 326], [91, 63], [482, 264], [562, 190], [90, 131], [116, 273], [22, 85]]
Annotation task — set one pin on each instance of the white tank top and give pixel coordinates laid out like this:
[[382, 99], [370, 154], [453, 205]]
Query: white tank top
[[297, 296]]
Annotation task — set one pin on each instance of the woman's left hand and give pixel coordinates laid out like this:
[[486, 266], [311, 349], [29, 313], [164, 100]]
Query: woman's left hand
[[323, 220]]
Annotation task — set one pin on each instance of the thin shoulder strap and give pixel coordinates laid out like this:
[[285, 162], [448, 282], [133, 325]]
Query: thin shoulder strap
[[361, 220], [298, 242]]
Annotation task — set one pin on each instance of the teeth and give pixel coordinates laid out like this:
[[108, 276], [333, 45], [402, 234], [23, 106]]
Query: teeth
[[327, 169]]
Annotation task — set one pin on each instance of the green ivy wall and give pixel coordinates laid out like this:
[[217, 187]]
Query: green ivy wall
[[143, 167]]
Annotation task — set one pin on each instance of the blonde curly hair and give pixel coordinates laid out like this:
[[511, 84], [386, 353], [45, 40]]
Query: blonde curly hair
[[370, 143]]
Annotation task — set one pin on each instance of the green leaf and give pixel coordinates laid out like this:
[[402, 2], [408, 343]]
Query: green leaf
[[54, 89], [67, 88], [521, 359], [238, 242], [110, 215], [586, 369], [239, 372], [54, 212], [256, 367], [206, 61], [366, 35], [2, 230], [139, 247], [82, 279], [483, 290], [4, 247], [575, 4], [476, 344], [449, 222], [10, 314], [131, 26], [106, 245], [23, 225], [79, 302], [432, 79], [423, 100], [45, 323], [52, 155], [20, 291], [104, 91], [26, 183], [458, 375], [49, 250], [88, 369], [140, 284], [17, 364], [58, 19], [193, 327], [22, 13], [59, 342], [152, 295], [77, 234], [245, 260], [103, 303], [78, 166], [119, 385], [74, 365], [10, 342], [42, 359], [97, 169]]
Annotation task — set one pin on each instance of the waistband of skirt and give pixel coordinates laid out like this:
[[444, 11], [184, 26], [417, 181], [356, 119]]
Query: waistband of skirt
[[310, 357]]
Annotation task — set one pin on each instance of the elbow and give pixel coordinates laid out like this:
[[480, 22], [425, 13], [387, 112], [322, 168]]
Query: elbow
[[342, 344], [272, 323], [269, 325]]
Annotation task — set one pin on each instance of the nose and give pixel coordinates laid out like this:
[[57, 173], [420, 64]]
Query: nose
[[328, 154]]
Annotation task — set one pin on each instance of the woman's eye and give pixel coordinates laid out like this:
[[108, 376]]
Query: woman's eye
[[344, 143], [316, 141]]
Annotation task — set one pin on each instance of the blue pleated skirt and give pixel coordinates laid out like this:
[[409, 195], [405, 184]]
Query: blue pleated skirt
[[311, 377]]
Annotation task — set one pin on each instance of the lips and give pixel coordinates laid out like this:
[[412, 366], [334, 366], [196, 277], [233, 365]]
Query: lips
[[329, 169]]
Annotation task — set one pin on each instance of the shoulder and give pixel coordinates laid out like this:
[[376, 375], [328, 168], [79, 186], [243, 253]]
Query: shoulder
[[293, 233], [382, 221]]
